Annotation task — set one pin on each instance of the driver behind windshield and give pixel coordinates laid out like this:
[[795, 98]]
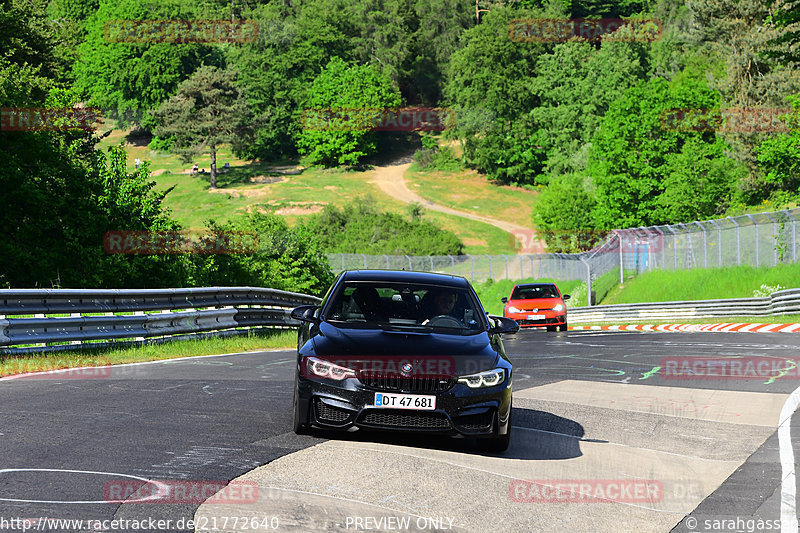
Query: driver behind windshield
[[442, 302]]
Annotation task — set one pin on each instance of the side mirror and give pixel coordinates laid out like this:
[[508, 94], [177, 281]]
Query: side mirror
[[305, 313], [566, 297], [503, 325], [504, 300]]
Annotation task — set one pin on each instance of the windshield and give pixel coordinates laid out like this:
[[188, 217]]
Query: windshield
[[532, 292], [405, 306]]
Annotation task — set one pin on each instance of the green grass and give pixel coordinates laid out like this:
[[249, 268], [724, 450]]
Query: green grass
[[274, 339], [466, 190], [703, 284], [291, 196]]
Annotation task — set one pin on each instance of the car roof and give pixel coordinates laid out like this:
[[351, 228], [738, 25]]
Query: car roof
[[528, 285], [405, 276]]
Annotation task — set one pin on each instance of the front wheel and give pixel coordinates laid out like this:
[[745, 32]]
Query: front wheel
[[563, 327], [551, 328]]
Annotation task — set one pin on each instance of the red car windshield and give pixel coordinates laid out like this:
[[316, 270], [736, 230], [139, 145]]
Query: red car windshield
[[534, 292]]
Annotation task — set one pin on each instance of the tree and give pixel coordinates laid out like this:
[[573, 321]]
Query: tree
[[646, 171], [130, 79], [351, 96], [494, 73], [208, 110], [780, 159], [564, 214]]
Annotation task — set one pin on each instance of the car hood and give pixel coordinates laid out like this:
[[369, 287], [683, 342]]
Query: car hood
[[464, 354]]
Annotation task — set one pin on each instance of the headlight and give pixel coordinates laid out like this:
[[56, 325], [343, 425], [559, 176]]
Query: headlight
[[490, 378], [324, 369], [512, 309], [558, 307]]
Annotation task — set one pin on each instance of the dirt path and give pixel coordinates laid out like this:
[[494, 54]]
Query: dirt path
[[390, 180]]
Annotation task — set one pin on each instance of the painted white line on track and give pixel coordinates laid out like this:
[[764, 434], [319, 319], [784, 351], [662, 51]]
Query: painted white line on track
[[140, 363], [788, 481], [161, 486]]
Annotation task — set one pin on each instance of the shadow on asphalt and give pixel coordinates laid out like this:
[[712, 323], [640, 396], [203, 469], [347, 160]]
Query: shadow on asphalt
[[537, 436]]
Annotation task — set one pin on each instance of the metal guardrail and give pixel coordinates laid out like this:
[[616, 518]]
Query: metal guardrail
[[132, 315], [780, 302]]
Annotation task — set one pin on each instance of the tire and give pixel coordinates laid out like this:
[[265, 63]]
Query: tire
[[299, 426], [563, 327], [551, 328]]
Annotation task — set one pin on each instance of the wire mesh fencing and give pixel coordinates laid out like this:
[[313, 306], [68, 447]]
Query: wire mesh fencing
[[762, 239]]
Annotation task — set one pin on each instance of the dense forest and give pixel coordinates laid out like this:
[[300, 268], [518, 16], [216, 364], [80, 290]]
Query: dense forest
[[619, 129]]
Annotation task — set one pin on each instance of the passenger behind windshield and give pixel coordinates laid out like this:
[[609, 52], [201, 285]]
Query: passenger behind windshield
[[404, 306]]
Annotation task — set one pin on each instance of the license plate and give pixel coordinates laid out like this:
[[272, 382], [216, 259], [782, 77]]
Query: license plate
[[405, 401], [536, 317]]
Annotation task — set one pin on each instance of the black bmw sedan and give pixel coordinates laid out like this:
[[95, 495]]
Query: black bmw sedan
[[403, 351]]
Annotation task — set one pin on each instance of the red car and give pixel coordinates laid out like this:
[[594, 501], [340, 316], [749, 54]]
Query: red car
[[537, 305]]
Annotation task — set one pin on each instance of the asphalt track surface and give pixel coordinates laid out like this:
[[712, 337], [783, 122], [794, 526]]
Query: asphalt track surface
[[589, 407]]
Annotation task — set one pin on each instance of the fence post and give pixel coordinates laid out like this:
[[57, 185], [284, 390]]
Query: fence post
[[342, 256], [521, 269], [490, 266], [588, 281], [387, 261], [705, 244], [473, 267], [794, 236], [719, 239], [452, 264], [410, 267], [621, 262], [755, 227], [774, 239], [505, 258], [738, 242], [431, 259]]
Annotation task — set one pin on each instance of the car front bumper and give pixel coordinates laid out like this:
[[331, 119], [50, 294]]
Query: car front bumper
[[459, 410]]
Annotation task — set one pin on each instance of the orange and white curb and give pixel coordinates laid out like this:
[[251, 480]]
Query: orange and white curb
[[725, 327]]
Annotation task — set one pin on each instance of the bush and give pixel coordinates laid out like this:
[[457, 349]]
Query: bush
[[564, 215], [360, 228]]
